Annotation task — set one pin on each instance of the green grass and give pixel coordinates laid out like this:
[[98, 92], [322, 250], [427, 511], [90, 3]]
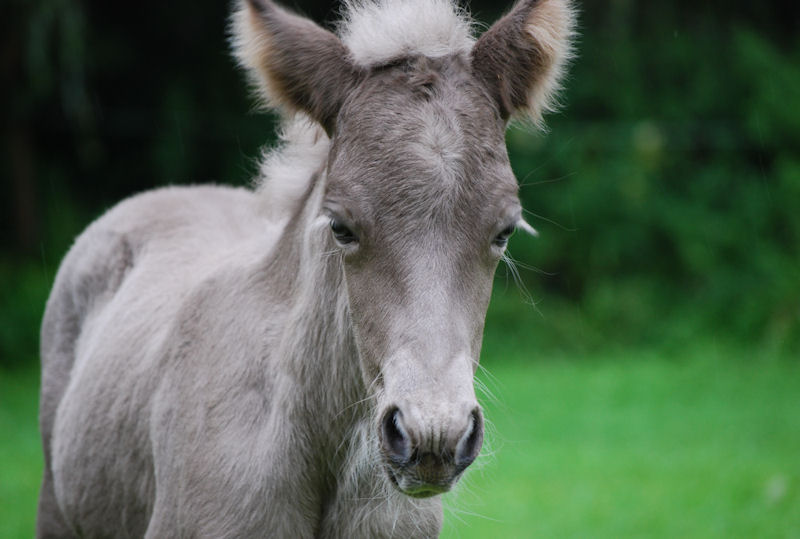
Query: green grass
[[703, 443], [20, 453]]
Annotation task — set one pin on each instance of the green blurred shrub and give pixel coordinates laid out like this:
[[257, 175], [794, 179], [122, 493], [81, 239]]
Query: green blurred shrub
[[667, 192], [22, 299], [682, 214]]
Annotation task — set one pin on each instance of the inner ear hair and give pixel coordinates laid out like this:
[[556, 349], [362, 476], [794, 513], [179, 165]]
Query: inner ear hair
[[523, 56], [296, 64]]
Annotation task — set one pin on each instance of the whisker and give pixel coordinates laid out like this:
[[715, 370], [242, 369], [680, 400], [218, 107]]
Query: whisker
[[552, 222], [529, 267], [523, 183], [523, 289]]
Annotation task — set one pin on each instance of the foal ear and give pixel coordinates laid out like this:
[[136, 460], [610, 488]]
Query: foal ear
[[522, 58], [295, 64]]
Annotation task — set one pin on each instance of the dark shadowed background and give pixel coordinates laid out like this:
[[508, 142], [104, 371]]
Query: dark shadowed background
[[667, 192]]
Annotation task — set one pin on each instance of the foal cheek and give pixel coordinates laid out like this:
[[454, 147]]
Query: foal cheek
[[371, 336], [376, 295]]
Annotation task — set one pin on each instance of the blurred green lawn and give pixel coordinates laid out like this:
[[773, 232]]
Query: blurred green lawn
[[20, 453], [703, 442]]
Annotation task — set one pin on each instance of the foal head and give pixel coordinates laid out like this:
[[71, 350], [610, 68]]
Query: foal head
[[419, 196]]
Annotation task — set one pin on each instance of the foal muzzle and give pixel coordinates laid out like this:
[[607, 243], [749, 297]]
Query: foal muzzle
[[425, 456]]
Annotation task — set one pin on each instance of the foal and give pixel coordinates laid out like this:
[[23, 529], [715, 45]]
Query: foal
[[298, 360]]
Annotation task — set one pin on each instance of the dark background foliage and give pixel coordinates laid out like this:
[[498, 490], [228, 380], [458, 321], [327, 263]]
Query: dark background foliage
[[667, 191]]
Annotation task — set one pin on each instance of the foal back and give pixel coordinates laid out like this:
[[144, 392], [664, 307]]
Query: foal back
[[105, 322]]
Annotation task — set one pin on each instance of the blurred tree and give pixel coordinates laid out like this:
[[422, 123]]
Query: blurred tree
[[672, 176]]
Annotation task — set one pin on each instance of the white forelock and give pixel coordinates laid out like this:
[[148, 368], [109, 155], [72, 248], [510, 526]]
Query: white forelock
[[377, 31]]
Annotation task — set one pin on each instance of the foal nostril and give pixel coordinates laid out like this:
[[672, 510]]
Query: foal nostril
[[394, 437], [470, 443]]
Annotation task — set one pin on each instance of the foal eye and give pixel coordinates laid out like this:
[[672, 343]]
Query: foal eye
[[342, 234], [502, 238]]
